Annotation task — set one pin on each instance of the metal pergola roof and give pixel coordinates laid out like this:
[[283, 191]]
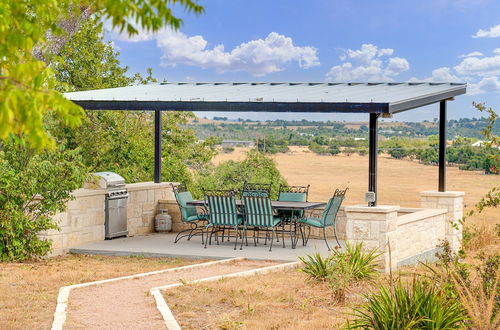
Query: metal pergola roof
[[372, 98], [270, 97]]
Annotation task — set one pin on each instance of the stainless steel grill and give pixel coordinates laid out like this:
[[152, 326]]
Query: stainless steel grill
[[115, 224]]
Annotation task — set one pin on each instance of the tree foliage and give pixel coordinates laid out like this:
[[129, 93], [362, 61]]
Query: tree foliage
[[34, 186], [27, 84], [122, 141], [256, 167]]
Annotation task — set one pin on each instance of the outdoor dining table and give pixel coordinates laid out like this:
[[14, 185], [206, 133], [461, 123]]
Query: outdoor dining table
[[279, 205]]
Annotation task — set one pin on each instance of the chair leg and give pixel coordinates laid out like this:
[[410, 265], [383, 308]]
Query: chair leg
[[272, 239], [189, 235], [254, 239], [324, 236], [283, 235], [244, 235], [336, 238], [209, 237], [236, 240], [308, 235]]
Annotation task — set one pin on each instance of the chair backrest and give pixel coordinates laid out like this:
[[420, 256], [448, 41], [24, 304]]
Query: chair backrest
[[293, 193], [258, 211], [256, 189], [183, 196], [222, 209], [332, 207]]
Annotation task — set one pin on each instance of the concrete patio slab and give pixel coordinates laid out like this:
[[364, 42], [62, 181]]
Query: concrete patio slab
[[162, 245]]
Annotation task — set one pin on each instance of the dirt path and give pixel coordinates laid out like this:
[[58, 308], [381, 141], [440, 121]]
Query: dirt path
[[127, 304]]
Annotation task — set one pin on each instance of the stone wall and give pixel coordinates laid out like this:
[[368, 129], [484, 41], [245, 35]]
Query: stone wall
[[406, 236], [83, 220], [418, 235], [143, 205]]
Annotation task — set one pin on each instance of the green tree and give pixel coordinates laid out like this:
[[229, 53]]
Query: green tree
[[256, 167], [122, 141], [34, 186], [27, 27]]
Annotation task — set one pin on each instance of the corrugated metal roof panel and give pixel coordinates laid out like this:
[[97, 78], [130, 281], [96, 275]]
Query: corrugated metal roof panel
[[270, 97]]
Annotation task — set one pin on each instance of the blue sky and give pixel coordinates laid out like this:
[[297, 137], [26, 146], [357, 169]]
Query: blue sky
[[335, 40]]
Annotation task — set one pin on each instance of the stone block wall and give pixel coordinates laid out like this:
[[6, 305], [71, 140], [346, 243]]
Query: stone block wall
[[419, 234], [143, 205], [406, 236], [376, 228], [453, 203], [83, 220]]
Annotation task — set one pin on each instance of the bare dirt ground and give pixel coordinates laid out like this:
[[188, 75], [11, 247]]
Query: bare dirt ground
[[399, 181], [28, 291], [126, 304]]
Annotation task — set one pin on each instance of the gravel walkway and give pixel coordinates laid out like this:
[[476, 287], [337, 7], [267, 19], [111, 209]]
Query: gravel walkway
[[127, 304]]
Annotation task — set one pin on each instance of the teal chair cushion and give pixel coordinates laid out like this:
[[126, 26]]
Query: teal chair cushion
[[187, 211], [314, 222], [196, 217], [292, 197]]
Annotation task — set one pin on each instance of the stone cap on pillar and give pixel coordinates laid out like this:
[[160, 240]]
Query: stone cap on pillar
[[434, 193], [372, 209]]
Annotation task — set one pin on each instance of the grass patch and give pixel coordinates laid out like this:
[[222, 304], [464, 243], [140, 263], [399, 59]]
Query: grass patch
[[29, 290]]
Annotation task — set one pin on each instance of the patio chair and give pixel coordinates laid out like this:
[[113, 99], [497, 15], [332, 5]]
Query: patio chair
[[222, 213], [256, 189], [292, 194], [189, 214], [327, 218], [259, 215]]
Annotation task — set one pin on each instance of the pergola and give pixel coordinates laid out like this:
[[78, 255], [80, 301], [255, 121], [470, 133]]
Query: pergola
[[374, 99]]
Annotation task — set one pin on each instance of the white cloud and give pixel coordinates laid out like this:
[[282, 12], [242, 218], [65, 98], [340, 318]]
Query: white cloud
[[485, 85], [443, 74], [258, 57], [471, 54], [492, 32], [481, 73], [486, 66], [368, 64]]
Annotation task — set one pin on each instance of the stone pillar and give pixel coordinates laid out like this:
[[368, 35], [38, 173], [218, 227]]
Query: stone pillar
[[453, 202], [376, 227]]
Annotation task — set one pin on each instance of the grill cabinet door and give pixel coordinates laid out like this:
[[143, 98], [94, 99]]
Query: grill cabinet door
[[117, 221]]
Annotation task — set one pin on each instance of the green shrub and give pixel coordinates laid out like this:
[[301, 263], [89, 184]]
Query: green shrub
[[256, 167], [34, 186], [355, 262], [316, 266], [362, 264], [420, 305]]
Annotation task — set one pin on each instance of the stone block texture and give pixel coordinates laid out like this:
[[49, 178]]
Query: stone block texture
[[83, 219], [453, 203]]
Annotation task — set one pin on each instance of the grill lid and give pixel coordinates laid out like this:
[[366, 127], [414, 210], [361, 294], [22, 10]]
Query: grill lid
[[110, 180]]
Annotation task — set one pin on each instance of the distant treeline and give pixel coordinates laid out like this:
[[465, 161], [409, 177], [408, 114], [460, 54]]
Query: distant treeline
[[408, 140]]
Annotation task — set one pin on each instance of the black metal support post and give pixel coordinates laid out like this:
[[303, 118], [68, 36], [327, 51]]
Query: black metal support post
[[372, 163], [157, 146], [442, 146]]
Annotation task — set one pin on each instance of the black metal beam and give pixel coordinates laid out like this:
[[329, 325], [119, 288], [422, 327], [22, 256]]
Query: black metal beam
[[442, 146], [157, 146], [250, 106], [372, 161]]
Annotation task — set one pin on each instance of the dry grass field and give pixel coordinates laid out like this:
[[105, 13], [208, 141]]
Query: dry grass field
[[284, 300], [399, 181], [28, 291]]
